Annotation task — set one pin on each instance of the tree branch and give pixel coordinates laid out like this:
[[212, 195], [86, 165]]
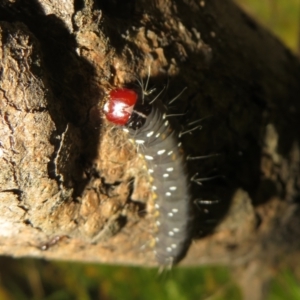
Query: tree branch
[[66, 173]]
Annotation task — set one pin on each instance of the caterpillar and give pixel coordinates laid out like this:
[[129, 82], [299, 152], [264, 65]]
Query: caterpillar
[[147, 124]]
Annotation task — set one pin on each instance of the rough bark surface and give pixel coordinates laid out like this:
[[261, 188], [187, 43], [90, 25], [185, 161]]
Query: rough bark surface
[[72, 186]]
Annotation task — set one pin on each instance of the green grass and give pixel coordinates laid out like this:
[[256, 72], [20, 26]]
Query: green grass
[[285, 286], [37, 279], [280, 16], [25, 279]]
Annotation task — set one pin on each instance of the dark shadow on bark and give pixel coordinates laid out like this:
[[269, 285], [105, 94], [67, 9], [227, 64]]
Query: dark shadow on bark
[[72, 92]]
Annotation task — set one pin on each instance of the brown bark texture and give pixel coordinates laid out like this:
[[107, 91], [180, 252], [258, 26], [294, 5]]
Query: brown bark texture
[[71, 184]]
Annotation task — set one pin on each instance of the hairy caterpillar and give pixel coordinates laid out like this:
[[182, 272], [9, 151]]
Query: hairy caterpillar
[[148, 125]]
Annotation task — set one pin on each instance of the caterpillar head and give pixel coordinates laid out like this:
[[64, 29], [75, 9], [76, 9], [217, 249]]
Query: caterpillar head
[[119, 107], [125, 108]]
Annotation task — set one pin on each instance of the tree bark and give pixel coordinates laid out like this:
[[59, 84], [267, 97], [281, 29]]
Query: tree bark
[[66, 174]]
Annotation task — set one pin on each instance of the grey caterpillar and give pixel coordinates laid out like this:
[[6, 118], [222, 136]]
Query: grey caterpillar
[[147, 124]]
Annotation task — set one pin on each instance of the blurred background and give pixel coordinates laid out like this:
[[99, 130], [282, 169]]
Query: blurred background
[[39, 279], [282, 17]]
